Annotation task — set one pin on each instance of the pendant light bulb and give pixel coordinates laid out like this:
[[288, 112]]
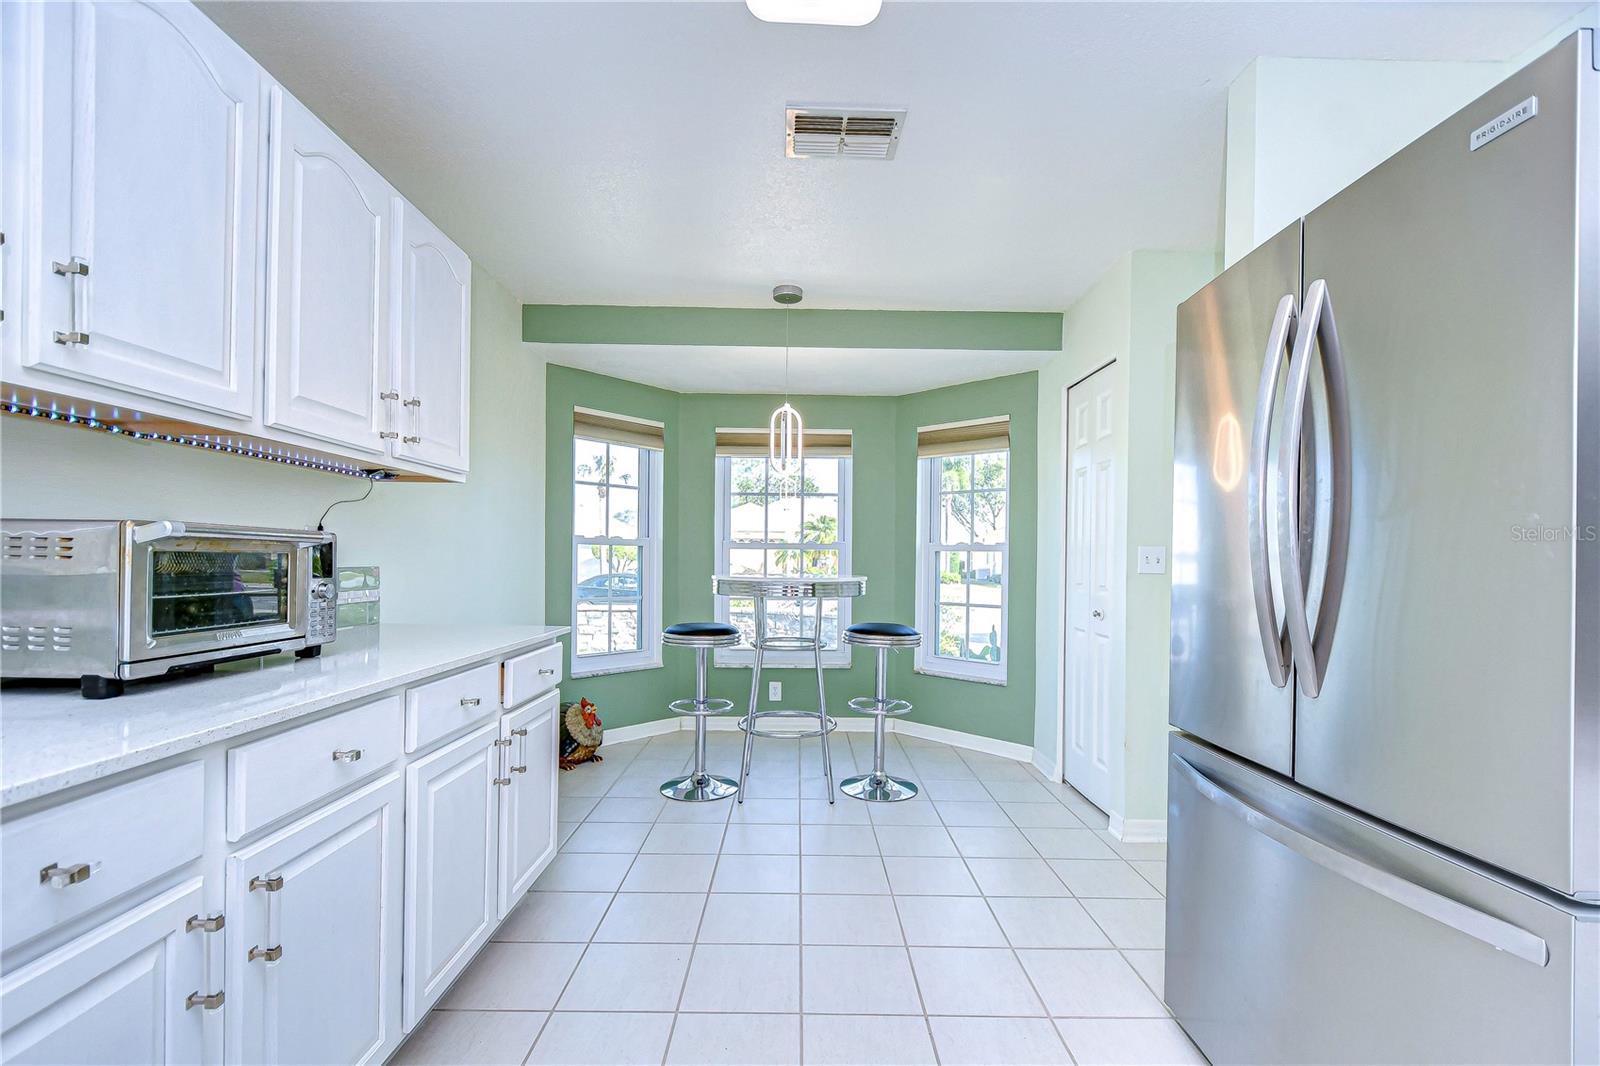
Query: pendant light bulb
[[785, 429]]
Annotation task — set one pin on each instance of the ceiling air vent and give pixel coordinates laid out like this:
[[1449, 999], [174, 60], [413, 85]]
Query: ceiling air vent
[[858, 132]]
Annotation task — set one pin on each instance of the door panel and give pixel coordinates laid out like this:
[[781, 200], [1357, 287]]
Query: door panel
[[1448, 702], [116, 994], [435, 312], [452, 896], [152, 134], [334, 994], [1221, 685], [327, 339], [1094, 626], [1358, 946], [528, 803]]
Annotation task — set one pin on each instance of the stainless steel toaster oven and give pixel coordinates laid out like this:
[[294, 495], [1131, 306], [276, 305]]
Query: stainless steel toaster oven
[[106, 602]]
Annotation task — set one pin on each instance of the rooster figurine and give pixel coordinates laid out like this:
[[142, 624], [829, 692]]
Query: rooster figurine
[[581, 732]]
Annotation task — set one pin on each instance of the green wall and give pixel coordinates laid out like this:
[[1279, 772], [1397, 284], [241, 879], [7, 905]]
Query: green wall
[[883, 526], [458, 553]]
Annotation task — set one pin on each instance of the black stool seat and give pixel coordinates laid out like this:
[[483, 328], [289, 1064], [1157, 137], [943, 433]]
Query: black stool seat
[[882, 635], [701, 635]]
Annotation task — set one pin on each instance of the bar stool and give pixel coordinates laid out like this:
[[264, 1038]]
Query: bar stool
[[878, 786], [700, 786]]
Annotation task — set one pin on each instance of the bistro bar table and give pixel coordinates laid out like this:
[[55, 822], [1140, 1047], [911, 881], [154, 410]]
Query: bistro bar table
[[814, 590]]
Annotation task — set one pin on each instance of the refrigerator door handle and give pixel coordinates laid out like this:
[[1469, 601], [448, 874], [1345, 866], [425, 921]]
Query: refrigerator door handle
[[1274, 639], [1497, 933], [1316, 330]]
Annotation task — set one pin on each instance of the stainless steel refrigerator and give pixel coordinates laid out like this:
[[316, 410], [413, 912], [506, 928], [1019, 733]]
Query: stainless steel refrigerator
[[1384, 791]]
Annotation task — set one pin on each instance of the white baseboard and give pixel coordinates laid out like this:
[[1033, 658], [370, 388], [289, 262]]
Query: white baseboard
[[730, 722], [1138, 830], [1047, 769]]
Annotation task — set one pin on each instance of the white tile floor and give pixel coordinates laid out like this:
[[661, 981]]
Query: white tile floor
[[992, 919]]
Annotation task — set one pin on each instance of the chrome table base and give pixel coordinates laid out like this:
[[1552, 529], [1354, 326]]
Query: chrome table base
[[878, 788], [699, 788]]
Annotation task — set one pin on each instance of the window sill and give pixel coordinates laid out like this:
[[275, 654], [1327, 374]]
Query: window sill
[[600, 670], [955, 675]]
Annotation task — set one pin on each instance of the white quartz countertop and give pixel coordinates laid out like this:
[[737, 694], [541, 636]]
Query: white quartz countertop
[[51, 738]]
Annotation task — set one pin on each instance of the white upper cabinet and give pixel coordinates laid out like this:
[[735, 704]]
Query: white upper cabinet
[[150, 153], [433, 344], [328, 284]]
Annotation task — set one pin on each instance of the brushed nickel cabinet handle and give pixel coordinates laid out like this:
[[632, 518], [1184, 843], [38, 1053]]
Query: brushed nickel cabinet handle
[[415, 401], [272, 954], [388, 434], [470, 701], [546, 671], [410, 440], [270, 884], [72, 269], [502, 781], [58, 876], [519, 769], [210, 1001], [519, 732], [388, 395], [347, 755], [197, 924]]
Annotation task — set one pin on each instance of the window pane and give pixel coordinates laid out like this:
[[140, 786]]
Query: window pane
[[623, 506], [785, 561], [952, 631], [819, 562], [989, 517], [780, 485], [783, 519], [983, 643], [742, 613], [830, 624], [989, 470], [955, 518], [749, 476], [822, 475], [624, 465], [593, 580], [746, 562], [821, 524], [625, 627], [588, 511], [588, 460], [625, 560], [592, 634], [985, 575], [783, 618], [951, 568], [747, 523], [955, 472]]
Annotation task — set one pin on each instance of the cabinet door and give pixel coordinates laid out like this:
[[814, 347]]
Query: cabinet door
[[115, 995], [451, 896], [326, 891], [528, 803], [328, 288], [151, 148], [435, 312]]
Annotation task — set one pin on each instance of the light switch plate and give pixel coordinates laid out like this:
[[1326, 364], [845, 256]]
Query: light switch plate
[[1153, 560], [774, 691]]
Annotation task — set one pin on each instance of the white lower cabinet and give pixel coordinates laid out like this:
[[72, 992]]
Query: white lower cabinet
[[314, 942], [528, 802], [451, 891], [117, 994]]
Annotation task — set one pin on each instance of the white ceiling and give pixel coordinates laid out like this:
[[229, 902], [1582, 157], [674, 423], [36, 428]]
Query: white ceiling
[[811, 371], [632, 153]]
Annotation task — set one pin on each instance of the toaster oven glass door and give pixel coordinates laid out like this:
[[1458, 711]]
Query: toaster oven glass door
[[210, 594]]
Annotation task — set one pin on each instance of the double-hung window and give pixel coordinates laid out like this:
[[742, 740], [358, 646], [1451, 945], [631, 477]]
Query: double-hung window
[[616, 543], [963, 520], [769, 524]]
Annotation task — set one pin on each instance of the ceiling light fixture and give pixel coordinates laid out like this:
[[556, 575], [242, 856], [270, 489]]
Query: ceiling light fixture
[[816, 12], [785, 430]]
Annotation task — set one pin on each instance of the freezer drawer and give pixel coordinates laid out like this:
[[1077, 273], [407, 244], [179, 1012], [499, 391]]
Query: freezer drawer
[[1299, 932]]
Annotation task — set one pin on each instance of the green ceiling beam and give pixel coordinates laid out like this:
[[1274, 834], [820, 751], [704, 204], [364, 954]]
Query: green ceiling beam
[[1021, 331]]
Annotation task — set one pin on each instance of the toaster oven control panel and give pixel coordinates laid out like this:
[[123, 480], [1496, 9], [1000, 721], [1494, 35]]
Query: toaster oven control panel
[[322, 612]]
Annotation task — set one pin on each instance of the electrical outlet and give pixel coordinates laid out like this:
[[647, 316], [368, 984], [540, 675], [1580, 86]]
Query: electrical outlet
[[774, 691], [1153, 560]]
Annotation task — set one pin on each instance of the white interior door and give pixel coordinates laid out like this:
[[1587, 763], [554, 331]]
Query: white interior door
[[1092, 755]]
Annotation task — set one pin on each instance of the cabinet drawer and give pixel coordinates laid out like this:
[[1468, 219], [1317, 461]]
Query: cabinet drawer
[[531, 675], [98, 847], [442, 707], [270, 778]]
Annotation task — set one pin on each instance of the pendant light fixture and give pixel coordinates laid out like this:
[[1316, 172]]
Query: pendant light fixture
[[785, 430]]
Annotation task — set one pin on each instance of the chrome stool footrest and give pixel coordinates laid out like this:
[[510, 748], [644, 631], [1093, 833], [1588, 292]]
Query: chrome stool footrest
[[696, 706], [873, 705], [787, 734]]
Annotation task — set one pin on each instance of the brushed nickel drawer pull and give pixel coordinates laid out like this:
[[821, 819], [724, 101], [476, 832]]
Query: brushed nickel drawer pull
[[410, 440], [519, 769], [388, 395], [546, 672], [272, 954], [415, 401], [61, 876], [470, 701], [209, 1001], [388, 434], [197, 924], [70, 267], [502, 780], [519, 732], [270, 884], [71, 336], [347, 755], [502, 743]]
